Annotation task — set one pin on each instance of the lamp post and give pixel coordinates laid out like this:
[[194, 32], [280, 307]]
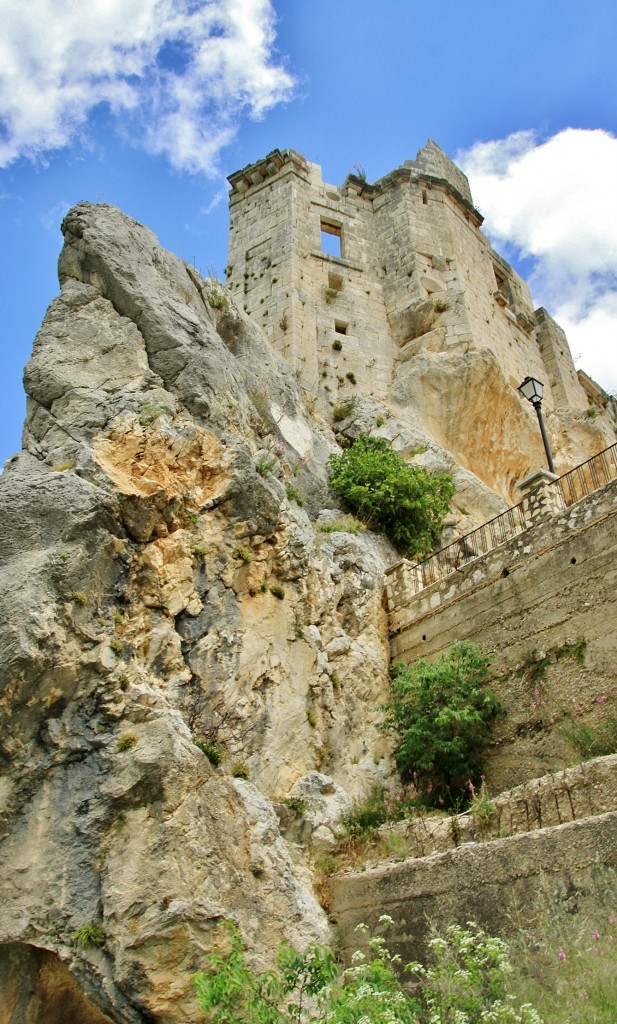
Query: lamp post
[[533, 390]]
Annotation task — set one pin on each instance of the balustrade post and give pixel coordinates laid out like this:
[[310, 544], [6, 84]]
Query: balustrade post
[[541, 497]]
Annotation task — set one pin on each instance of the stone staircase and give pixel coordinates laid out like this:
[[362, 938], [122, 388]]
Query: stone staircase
[[549, 844], [583, 791]]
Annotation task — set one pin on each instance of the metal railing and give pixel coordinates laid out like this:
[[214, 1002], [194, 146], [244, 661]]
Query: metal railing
[[481, 540], [598, 471]]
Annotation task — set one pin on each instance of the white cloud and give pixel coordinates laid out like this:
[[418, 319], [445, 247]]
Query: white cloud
[[555, 202], [177, 74]]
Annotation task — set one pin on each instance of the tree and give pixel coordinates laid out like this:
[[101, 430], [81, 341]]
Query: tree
[[442, 712], [405, 502]]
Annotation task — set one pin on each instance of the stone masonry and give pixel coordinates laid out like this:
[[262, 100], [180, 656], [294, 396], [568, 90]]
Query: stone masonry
[[381, 271]]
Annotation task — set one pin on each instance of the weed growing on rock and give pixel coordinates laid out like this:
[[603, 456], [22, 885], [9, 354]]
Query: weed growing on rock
[[265, 466], [89, 935], [212, 752], [77, 597], [62, 466], [341, 412], [243, 555], [294, 495], [240, 770], [126, 741], [481, 806], [116, 646], [277, 591], [296, 804], [217, 300]]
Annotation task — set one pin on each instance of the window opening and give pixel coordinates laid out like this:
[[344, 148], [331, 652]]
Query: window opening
[[332, 239], [340, 327]]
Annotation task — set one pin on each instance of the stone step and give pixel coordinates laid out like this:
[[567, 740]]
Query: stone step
[[500, 884], [585, 790]]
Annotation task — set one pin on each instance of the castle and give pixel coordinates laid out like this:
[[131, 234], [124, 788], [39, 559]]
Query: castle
[[386, 269]]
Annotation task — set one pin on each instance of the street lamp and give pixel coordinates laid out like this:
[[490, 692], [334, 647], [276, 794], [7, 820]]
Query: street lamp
[[533, 390]]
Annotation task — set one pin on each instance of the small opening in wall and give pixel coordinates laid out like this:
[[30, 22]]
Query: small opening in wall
[[505, 572], [332, 239], [424, 636], [573, 561], [335, 282], [340, 327], [424, 197]]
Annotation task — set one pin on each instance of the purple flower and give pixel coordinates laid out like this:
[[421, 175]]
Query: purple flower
[[561, 955]]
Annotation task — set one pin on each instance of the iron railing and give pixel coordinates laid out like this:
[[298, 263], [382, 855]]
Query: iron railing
[[578, 483], [589, 476], [481, 540]]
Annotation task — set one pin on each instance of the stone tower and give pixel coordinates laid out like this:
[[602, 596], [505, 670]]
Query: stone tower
[[391, 291]]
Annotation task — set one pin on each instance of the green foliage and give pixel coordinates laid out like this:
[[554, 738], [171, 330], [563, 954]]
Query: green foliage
[[239, 770], [366, 814], [89, 935], [277, 591], [265, 466], [232, 993], [346, 524], [297, 804], [351, 377], [78, 597], [311, 718], [217, 300], [243, 554], [481, 807], [116, 646], [442, 712], [294, 495], [264, 586], [126, 741], [468, 984], [211, 750], [200, 552], [588, 741], [337, 345], [62, 466], [341, 412], [407, 503]]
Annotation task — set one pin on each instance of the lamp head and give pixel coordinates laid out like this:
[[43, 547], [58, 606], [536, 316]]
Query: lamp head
[[532, 390]]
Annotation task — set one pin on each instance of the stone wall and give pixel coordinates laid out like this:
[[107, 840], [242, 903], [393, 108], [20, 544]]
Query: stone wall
[[545, 604], [502, 885]]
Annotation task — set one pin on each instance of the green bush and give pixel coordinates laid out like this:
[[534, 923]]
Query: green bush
[[407, 503], [442, 712], [365, 815], [468, 984]]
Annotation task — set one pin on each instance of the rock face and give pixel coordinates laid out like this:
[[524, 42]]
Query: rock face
[[160, 588], [176, 587]]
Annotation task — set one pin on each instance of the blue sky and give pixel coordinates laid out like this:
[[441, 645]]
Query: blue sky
[[149, 104]]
